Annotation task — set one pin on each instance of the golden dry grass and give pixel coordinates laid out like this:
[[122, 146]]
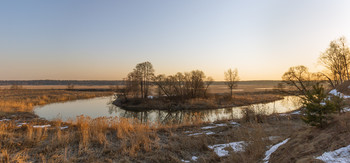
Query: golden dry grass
[[24, 100], [124, 140], [120, 139], [78, 142]]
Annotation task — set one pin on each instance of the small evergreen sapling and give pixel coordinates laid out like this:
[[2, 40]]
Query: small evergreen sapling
[[318, 107]]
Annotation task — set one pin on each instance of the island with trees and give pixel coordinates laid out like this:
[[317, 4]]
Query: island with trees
[[144, 90]]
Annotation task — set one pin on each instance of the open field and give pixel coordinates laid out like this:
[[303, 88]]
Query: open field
[[58, 86], [24, 100], [216, 87], [26, 138]]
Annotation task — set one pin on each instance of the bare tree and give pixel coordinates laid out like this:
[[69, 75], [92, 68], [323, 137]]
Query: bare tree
[[336, 59], [161, 81], [197, 82], [132, 84], [300, 78], [183, 85], [144, 73], [231, 78]]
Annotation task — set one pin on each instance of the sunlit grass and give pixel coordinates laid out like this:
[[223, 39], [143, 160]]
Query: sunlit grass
[[24, 100]]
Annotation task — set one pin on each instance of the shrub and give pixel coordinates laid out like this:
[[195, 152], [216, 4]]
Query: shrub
[[318, 107]]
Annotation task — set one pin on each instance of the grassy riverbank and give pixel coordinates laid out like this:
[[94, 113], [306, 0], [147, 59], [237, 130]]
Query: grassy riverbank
[[26, 138], [127, 140]]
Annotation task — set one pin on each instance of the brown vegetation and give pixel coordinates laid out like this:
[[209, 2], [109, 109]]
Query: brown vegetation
[[127, 140], [310, 142], [211, 102], [24, 100]]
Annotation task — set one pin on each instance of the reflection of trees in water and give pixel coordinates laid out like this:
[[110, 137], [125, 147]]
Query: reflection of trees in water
[[291, 101], [112, 108], [174, 117], [190, 116]]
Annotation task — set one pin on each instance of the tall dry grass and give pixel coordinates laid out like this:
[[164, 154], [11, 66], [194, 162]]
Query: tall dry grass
[[85, 139]]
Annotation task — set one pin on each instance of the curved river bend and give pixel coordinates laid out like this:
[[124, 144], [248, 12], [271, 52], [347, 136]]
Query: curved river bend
[[102, 107]]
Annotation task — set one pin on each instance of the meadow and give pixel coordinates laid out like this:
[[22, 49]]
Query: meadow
[[24, 137], [24, 100]]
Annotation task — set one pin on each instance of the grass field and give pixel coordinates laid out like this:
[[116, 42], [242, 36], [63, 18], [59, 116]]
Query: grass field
[[24, 100], [216, 87], [127, 140], [27, 138]]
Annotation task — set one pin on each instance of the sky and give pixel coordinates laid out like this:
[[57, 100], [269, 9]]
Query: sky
[[104, 40]]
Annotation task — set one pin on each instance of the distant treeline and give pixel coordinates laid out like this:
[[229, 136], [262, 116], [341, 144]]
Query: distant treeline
[[112, 82], [61, 82]]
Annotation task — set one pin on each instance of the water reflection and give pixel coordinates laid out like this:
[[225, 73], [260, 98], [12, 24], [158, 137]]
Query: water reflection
[[99, 107]]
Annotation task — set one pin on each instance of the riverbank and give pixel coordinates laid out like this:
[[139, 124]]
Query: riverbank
[[128, 140], [216, 101]]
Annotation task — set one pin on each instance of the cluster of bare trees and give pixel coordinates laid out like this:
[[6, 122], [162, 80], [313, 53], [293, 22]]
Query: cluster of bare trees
[[192, 84], [301, 78], [336, 60], [182, 85], [317, 106], [138, 81]]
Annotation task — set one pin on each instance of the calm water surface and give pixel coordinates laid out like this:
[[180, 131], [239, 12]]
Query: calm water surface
[[102, 107]]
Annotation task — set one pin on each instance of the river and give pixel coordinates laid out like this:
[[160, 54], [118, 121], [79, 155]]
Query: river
[[103, 107]]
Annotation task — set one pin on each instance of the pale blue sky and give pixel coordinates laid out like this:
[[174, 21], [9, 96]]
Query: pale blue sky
[[104, 40]]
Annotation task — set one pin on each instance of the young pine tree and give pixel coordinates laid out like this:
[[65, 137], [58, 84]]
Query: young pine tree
[[318, 107]]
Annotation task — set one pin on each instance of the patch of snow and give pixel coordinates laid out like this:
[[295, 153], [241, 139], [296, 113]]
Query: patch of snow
[[284, 114], [208, 127], [5, 120], [150, 97], [234, 123], [194, 158], [186, 132], [296, 112], [218, 125], [200, 133], [219, 148], [194, 134], [221, 125], [273, 149], [341, 155], [41, 126], [210, 133], [336, 93], [184, 160], [346, 109], [65, 127]]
